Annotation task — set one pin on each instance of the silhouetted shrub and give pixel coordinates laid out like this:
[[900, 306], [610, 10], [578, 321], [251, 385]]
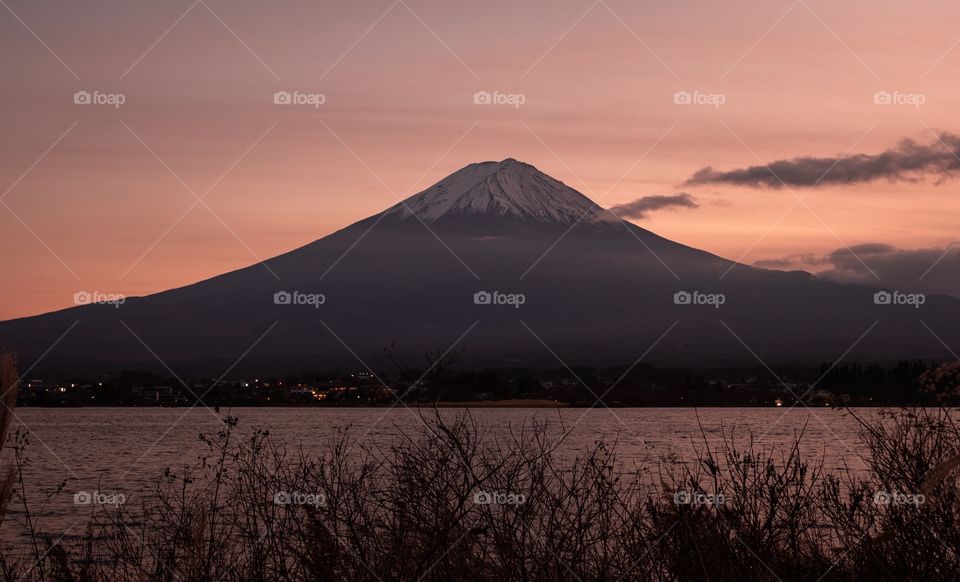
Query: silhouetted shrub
[[455, 501]]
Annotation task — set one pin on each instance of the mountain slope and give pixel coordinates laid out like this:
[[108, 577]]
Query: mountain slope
[[502, 189], [596, 290]]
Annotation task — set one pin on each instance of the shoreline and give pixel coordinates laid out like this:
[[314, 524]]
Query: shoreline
[[514, 403]]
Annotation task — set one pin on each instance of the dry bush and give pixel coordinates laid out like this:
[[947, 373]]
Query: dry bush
[[411, 511], [8, 401]]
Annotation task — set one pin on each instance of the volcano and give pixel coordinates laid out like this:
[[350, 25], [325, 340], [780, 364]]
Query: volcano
[[508, 264]]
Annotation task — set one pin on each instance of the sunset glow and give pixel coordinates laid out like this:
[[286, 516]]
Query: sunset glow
[[112, 205]]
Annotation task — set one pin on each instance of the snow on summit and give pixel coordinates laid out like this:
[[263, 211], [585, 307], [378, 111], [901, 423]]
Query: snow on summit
[[507, 188]]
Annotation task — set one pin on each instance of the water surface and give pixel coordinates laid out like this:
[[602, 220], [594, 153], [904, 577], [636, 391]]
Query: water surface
[[125, 450]]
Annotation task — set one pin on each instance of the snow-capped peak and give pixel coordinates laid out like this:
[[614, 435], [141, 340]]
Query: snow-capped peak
[[506, 188]]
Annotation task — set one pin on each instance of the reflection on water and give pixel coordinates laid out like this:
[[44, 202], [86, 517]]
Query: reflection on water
[[123, 451]]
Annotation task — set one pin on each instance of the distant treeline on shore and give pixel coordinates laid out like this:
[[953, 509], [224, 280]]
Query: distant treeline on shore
[[905, 383]]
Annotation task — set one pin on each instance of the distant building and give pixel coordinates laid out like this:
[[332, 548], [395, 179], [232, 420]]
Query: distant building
[[158, 395], [303, 394], [821, 398]]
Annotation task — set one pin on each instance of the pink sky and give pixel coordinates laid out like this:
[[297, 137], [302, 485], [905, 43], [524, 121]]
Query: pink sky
[[97, 212]]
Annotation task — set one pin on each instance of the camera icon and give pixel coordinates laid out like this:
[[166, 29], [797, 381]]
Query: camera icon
[[482, 498], [682, 98], [282, 98], [682, 498], [482, 298], [882, 298], [482, 98], [281, 498], [82, 98], [882, 498], [282, 298], [82, 498], [882, 98], [682, 298], [82, 298]]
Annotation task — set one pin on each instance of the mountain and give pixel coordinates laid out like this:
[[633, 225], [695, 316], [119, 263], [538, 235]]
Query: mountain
[[517, 267], [499, 189]]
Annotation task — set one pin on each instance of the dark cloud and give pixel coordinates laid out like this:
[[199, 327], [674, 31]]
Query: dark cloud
[[933, 270], [792, 261], [907, 161], [641, 207]]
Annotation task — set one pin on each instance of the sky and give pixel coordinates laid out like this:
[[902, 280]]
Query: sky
[[183, 167]]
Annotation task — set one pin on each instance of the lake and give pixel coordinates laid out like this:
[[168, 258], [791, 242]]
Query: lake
[[125, 450]]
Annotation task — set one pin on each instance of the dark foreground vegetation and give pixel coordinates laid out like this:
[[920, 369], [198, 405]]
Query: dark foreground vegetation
[[454, 502]]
